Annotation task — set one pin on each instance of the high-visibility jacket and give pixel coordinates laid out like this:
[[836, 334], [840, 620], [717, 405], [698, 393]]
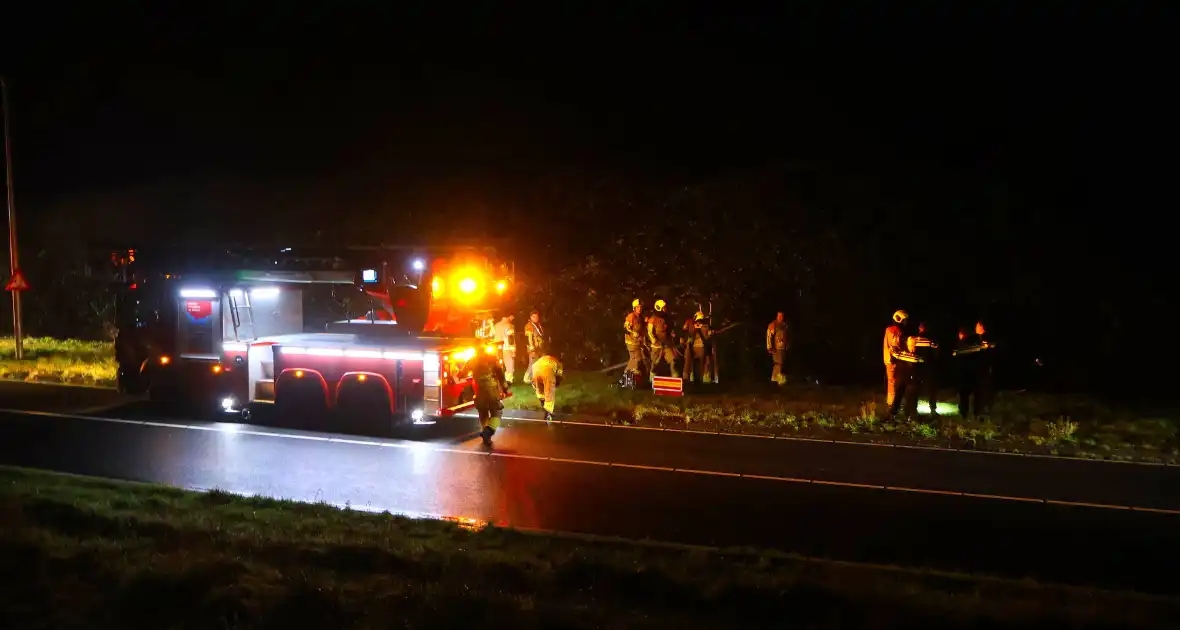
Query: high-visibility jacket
[[633, 329], [535, 337], [657, 331], [506, 333], [776, 336], [490, 383], [973, 345], [893, 350], [702, 335], [924, 347]]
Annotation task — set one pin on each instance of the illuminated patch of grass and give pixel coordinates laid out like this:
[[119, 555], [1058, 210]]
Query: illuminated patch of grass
[[95, 553], [59, 361]]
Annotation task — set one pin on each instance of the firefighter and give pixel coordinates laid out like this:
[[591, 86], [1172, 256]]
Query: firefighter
[[534, 336], [983, 383], [925, 378], [966, 370], [633, 338], [700, 344], [659, 339], [776, 346], [506, 336], [547, 374], [898, 362], [490, 389], [973, 358]]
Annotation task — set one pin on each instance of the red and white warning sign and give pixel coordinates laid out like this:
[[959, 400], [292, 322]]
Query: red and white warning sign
[[17, 283], [667, 386]]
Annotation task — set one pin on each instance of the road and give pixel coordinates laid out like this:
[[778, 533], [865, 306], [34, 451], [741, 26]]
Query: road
[[1008, 515]]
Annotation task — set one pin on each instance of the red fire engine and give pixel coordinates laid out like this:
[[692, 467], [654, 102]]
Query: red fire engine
[[235, 337]]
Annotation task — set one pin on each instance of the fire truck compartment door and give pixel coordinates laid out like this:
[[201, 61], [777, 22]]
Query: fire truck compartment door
[[199, 328]]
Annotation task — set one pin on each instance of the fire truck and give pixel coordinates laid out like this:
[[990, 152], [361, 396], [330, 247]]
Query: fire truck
[[238, 333]]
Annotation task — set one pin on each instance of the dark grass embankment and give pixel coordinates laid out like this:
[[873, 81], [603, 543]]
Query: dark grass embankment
[[1026, 422], [89, 553]]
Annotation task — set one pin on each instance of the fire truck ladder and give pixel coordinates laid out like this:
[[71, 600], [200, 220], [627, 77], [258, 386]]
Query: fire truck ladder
[[242, 315]]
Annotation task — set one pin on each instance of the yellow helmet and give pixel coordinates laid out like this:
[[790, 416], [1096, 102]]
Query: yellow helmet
[[636, 302], [660, 304], [900, 316], [699, 317]]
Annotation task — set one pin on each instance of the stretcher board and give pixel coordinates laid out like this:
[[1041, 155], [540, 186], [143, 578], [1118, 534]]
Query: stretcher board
[[667, 386]]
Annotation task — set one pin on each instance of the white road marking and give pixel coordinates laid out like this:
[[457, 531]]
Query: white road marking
[[237, 430]]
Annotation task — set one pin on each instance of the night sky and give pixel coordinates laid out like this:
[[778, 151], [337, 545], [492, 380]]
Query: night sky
[[371, 111], [1048, 129]]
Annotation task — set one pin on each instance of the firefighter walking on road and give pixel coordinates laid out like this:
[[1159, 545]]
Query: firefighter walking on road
[[659, 339], [547, 374], [633, 332], [490, 389], [505, 334], [534, 337], [776, 346]]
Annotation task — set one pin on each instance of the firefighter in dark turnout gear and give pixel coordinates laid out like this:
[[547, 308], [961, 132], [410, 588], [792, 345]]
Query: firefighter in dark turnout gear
[[660, 340], [776, 345], [973, 356], [634, 332], [925, 378], [490, 389]]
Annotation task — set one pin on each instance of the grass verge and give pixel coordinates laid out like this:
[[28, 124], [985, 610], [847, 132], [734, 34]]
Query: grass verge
[[1020, 421], [50, 360], [94, 553]]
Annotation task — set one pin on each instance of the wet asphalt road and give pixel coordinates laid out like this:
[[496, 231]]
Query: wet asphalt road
[[704, 489]]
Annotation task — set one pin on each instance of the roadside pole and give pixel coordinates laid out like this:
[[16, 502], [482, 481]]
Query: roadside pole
[[13, 261]]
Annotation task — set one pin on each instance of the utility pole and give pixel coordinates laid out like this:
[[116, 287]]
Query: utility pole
[[13, 261]]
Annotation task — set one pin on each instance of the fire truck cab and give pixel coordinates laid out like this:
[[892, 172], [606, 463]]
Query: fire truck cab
[[232, 340]]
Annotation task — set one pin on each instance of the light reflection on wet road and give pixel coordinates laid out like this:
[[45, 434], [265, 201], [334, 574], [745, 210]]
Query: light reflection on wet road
[[556, 477]]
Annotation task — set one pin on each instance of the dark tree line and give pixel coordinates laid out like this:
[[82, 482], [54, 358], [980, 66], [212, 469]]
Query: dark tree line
[[837, 254]]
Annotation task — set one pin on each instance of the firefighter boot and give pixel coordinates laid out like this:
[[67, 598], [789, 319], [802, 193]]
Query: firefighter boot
[[487, 434]]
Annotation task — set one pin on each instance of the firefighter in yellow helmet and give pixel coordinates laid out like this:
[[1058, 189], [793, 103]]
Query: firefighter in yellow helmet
[[776, 346], [547, 374], [490, 389], [659, 338], [898, 363]]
